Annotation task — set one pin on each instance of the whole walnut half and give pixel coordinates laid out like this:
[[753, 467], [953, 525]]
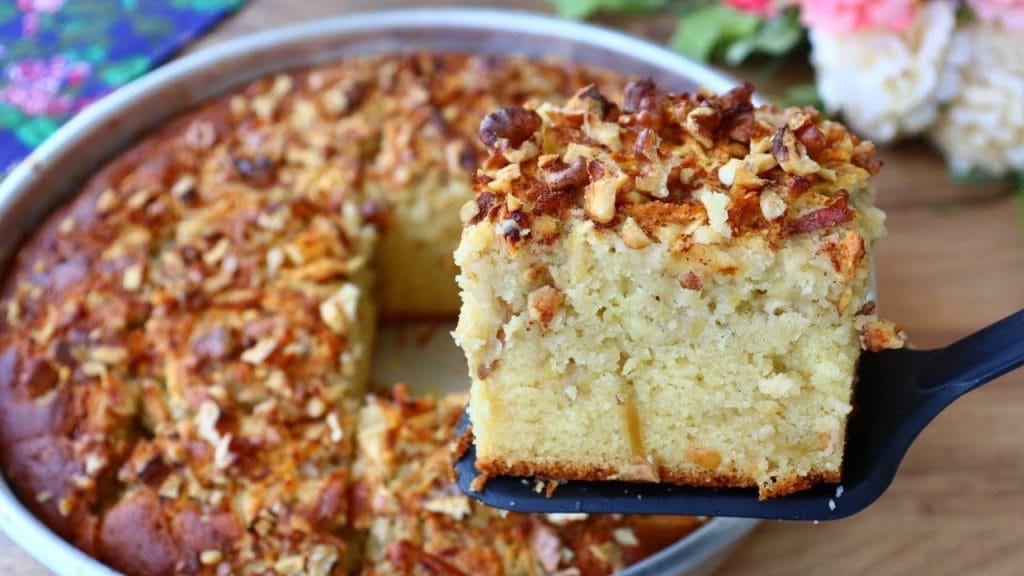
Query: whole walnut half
[[511, 123]]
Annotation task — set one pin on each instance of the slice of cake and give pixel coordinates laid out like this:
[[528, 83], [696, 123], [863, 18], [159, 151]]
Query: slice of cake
[[419, 522], [670, 289]]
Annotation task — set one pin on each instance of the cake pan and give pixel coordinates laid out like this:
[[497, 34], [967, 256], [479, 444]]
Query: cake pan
[[53, 172]]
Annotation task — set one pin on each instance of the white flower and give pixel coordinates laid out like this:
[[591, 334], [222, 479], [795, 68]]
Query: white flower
[[982, 128], [886, 83]]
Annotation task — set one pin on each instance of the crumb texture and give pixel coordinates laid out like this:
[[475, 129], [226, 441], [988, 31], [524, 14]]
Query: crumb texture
[[671, 287]]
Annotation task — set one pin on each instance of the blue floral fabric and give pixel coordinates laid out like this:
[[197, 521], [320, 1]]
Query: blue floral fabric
[[57, 56]]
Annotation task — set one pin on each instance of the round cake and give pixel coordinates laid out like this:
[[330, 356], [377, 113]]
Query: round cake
[[184, 346]]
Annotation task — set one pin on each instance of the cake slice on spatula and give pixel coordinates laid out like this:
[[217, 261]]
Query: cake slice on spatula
[[673, 289]]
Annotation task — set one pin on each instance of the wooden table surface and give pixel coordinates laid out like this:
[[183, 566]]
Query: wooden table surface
[[953, 262]]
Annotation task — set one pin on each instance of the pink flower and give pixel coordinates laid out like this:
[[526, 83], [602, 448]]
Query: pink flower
[[41, 6], [762, 8], [37, 87], [845, 16], [32, 9], [1009, 13]]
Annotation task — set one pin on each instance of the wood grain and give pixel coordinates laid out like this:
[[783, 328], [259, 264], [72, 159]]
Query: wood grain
[[953, 262]]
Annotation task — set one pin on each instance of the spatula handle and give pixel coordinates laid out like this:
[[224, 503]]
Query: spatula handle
[[978, 358]]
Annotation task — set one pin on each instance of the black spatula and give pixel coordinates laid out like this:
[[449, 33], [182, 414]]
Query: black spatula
[[898, 393]]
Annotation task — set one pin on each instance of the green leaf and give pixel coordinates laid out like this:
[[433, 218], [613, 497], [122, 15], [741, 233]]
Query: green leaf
[[776, 37], [33, 131], [801, 95], [122, 71], [8, 10], [578, 9], [704, 30], [10, 117], [973, 177]]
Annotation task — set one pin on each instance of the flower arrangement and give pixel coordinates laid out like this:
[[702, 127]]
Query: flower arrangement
[[947, 70]]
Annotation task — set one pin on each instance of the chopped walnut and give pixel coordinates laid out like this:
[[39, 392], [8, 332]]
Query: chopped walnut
[[544, 303], [877, 335], [511, 123], [560, 176], [791, 154], [321, 561], [599, 197], [772, 205], [339, 310], [701, 123], [132, 278], [633, 236], [210, 557]]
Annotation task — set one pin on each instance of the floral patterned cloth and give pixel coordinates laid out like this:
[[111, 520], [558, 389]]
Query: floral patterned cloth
[[57, 56]]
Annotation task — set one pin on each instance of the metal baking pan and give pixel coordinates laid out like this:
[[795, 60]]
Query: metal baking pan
[[55, 170]]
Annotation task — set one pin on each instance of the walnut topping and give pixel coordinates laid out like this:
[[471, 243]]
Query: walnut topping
[[655, 181], [773, 206], [625, 536], [717, 228], [131, 280], [184, 187], [836, 212], [544, 303], [321, 560], [291, 565], [108, 355], [340, 309], [210, 557], [560, 176], [65, 505], [260, 351], [633, 235], [170, 488], [640, 94], [589, 99], [456, 506], [727, 172], [67, 225], [791, 154], [511, 123], [206, 421], [599, 197], [864, 157], [222, 456], [877, 335], [107, 201], [337, 434], [701, 123], [504, 177], [469, 211]]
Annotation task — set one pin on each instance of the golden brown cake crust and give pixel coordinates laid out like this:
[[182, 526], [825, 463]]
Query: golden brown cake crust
[[687, 477], [179, 367], [641, 167]]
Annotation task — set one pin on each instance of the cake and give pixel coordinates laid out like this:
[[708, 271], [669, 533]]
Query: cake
[[184, 346], [419, 522], [668, 288]]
